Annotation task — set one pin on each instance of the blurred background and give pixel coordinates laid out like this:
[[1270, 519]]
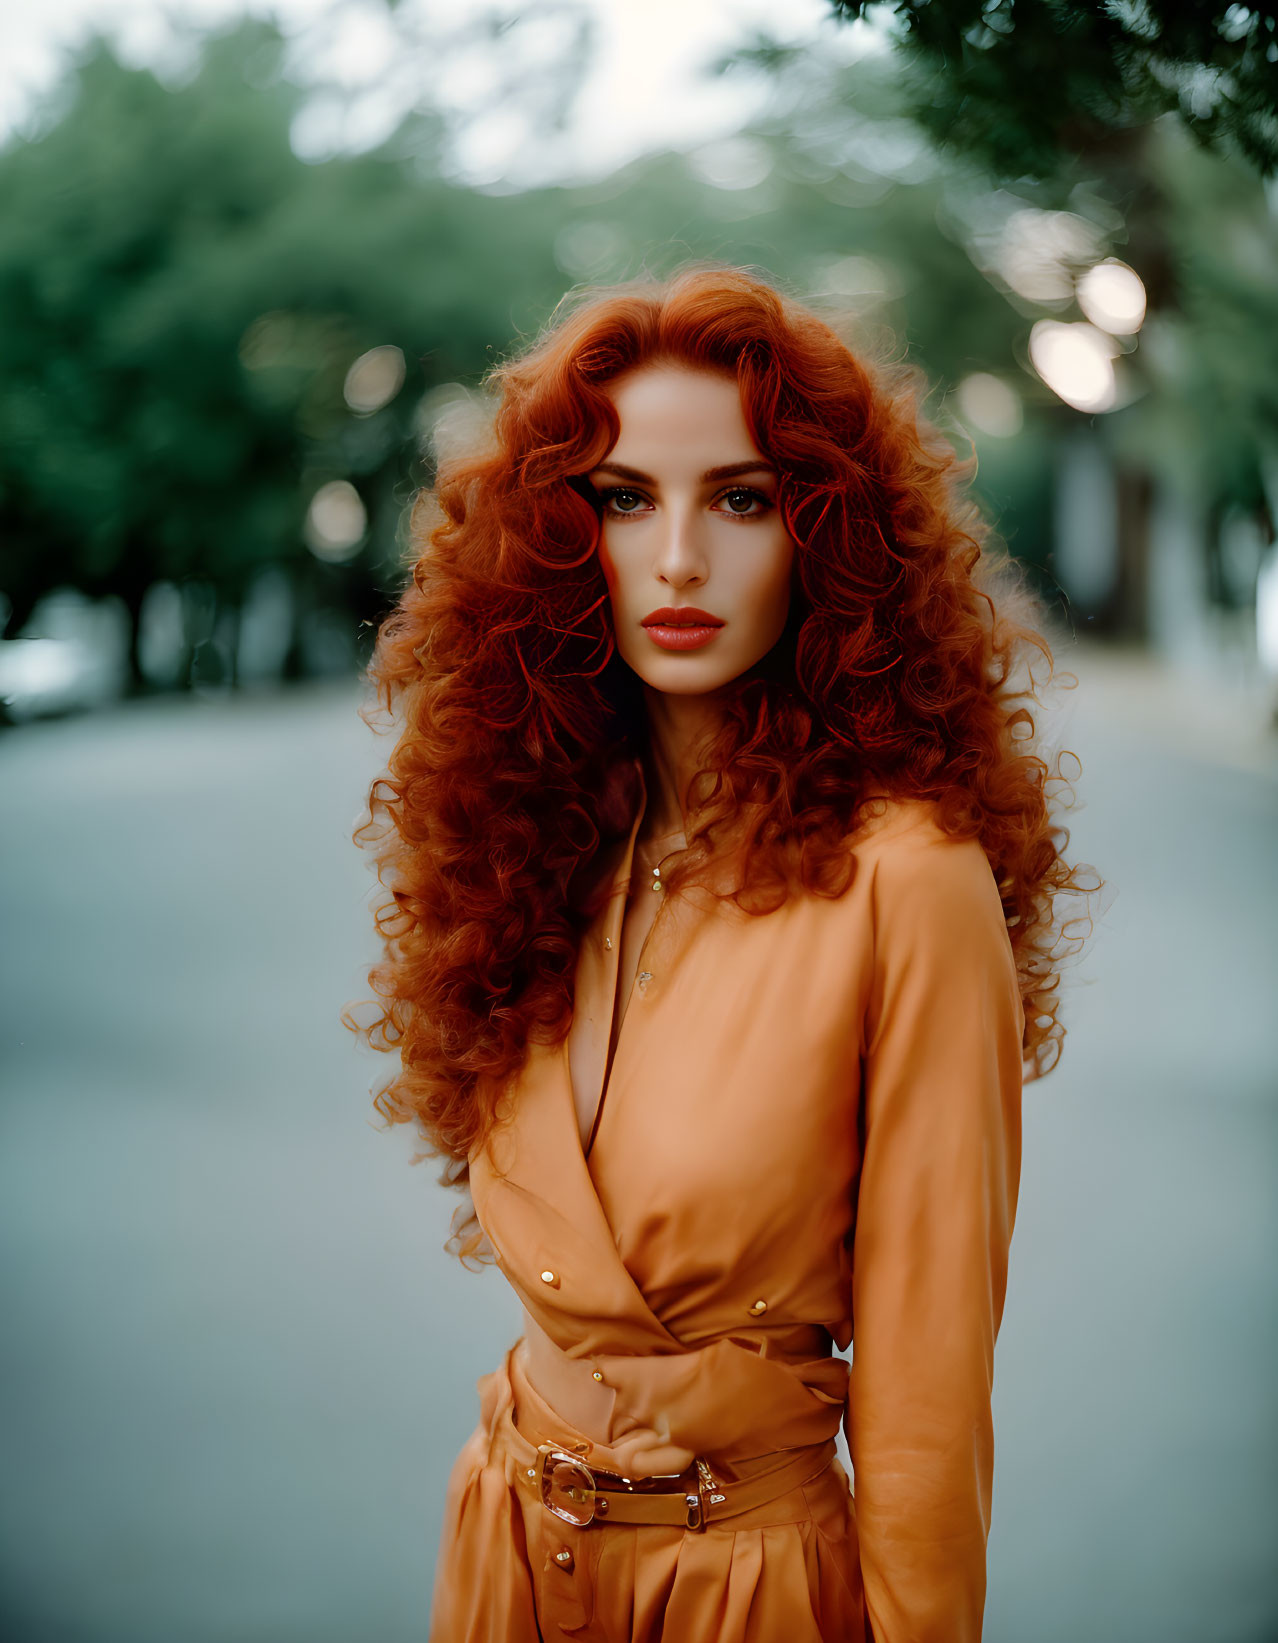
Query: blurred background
[[253, 265]]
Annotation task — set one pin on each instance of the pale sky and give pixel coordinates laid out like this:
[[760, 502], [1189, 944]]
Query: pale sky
[[644, 90]]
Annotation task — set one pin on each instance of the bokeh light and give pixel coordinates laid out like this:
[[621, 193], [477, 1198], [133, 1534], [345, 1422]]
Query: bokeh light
[[586, 250], [1112, 295], [733, 163], [1041, 249], [1076, 362], [374, 379], [450, 419], [990, 405], [869, 279], [336, 522]]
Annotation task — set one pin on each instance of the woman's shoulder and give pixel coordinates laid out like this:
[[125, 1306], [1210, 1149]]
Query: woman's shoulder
[[908, 854], [892, 824]]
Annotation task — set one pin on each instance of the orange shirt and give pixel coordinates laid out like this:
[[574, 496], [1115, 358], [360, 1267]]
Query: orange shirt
[[810, 1135]]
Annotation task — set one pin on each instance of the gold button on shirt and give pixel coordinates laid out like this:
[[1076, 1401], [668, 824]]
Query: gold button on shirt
[[813, 1118]]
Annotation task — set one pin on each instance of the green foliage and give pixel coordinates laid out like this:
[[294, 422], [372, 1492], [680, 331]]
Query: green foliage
[[1024, 84], [180, 299], [1155, 121]]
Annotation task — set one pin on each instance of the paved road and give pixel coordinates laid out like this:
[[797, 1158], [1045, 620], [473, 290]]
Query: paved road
[[238, 1363]]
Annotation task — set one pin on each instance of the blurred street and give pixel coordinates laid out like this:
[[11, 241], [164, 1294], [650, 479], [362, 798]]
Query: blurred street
[[238, 1362]]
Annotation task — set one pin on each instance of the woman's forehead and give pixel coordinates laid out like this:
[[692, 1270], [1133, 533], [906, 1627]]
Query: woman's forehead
[[680, 418]]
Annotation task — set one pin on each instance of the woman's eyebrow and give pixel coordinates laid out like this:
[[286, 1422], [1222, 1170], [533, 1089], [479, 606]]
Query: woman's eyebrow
[[730, 470]]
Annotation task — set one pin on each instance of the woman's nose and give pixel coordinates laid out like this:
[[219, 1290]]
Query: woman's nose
[[682, 552]]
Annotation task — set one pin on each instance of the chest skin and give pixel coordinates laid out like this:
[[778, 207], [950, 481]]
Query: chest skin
[[641, 911], [642, 907]]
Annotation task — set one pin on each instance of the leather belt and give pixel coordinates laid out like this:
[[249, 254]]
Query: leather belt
[[581, 1495]]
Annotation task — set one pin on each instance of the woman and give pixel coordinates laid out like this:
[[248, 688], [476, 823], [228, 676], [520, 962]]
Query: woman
[[721, 941]]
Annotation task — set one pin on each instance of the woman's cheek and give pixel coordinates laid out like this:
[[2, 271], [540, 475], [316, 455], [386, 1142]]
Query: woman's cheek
[[769, 610]]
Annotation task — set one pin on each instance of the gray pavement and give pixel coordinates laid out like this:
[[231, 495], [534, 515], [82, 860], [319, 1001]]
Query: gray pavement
[[237, 1362]]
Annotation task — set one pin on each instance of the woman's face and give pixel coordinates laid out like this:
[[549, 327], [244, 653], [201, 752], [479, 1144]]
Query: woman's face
[[691, 531]]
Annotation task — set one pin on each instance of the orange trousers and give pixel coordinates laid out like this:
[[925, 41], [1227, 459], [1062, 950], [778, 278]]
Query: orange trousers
[[786, 1571]]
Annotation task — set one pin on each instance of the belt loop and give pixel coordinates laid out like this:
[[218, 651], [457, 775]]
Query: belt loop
[[710, 1491], [698, 1505]]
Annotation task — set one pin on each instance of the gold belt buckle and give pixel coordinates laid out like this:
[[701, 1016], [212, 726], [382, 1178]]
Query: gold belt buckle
[[568, 1488], [565, 1485]]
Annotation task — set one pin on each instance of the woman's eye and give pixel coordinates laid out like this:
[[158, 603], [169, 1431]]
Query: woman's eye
[[741, 502], [621, 501]]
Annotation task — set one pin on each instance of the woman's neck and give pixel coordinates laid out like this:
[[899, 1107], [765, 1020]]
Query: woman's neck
[[679, 730]]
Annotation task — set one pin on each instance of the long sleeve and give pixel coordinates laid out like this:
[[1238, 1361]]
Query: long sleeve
[[935, 1208]]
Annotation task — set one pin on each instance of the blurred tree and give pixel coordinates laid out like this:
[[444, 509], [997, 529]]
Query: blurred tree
[[1025, 85], [118, 462], [181, 299], [1087, 107]]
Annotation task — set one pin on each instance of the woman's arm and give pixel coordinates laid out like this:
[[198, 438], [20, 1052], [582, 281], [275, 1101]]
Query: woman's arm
[[935, 1209]]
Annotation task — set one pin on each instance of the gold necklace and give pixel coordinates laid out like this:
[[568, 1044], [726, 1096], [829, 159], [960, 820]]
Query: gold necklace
[[644, 854]]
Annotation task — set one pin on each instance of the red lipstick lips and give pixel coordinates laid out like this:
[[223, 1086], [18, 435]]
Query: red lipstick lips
[[680, 628]]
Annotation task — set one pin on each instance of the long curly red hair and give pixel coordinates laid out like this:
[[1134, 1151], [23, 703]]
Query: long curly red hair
[[904, 665]]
